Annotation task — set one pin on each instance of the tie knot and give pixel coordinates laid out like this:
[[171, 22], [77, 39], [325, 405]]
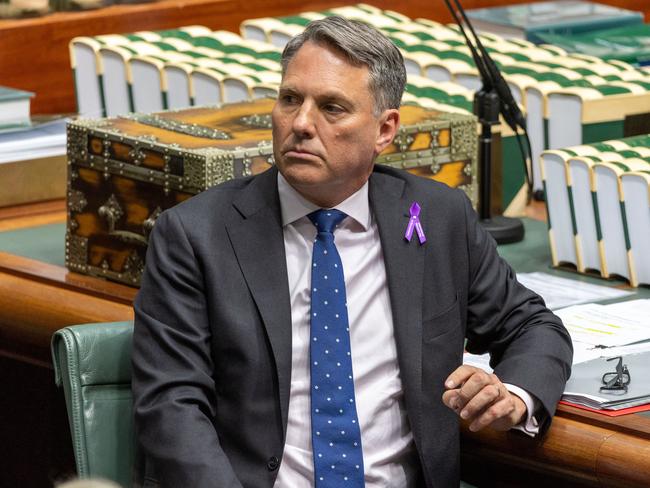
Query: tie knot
[[326, 220]]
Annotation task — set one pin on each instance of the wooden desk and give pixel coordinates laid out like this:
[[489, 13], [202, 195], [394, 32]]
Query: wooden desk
[[581, 449]]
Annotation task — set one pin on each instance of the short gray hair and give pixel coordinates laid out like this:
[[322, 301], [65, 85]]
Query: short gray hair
[[362, 45]]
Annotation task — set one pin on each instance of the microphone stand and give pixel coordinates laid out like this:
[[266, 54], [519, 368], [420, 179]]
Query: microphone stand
[[492, 99], [504, 229]]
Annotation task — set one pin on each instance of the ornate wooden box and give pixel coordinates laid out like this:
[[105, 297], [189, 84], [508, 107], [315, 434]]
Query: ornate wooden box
[[439, 145], [123, 172]]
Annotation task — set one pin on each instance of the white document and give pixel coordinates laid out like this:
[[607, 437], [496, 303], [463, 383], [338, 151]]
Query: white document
[[599, 331], [583, 352], [562, 292], [602, 326], [639, 309]]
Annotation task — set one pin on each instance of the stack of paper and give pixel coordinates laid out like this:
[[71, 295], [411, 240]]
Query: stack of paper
[[598, 332], [601, 330], [586, 379], [562, 292], [38, 141]]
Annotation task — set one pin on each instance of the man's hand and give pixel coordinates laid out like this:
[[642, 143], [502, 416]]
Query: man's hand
[[481, 399]]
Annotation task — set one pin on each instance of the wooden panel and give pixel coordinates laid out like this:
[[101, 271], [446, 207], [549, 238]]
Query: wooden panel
[[575, 451], [36, 299], [30, 48], [31, 215]]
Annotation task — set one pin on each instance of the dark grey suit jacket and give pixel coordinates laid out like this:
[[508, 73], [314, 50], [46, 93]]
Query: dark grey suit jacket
[[212, 344]]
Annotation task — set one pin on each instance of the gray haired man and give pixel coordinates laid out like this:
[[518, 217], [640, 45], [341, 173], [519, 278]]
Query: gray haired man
[[288, 335]]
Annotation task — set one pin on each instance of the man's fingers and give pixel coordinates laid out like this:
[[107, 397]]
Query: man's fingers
[[460, 375], [504, 414], [474, 385], [497, 415], [481, 399], [478, 401], [450, 399]]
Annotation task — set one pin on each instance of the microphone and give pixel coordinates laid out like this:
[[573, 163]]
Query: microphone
[[492, 99], [509, 107]]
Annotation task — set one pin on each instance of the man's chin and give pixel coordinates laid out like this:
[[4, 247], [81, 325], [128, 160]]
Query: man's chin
[[302, 177], [299, 168]]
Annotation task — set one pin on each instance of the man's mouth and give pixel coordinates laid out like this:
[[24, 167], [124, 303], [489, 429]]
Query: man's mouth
[[300, 153]]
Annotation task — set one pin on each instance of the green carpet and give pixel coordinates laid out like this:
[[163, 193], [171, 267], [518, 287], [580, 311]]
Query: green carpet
[[43, 243]]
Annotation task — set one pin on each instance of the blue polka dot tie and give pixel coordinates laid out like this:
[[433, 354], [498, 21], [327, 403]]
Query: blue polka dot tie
[[336, 438]]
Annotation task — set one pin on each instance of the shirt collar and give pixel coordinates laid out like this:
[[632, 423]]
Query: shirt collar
[[294, 206]]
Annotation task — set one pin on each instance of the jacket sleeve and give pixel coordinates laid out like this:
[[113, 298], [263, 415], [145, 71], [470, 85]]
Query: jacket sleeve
[[173, 385], [528, 344]]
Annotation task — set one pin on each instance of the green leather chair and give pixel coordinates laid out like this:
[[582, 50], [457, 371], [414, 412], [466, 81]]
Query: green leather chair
[[93, 363]]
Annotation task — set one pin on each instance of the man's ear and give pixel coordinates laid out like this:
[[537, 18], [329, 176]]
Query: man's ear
[[388, 125]]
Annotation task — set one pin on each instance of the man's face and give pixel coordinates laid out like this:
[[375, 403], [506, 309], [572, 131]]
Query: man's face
[[325, 133]]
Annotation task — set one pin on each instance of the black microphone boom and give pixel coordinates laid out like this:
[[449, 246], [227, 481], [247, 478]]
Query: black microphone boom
[[509, 108], [486, 76], [492, 99]]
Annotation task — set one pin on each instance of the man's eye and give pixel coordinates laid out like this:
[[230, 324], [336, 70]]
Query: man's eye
[[289, 99], [333, 109]]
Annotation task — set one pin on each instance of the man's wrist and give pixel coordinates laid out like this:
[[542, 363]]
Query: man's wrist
[[528, 423], [520, 413]]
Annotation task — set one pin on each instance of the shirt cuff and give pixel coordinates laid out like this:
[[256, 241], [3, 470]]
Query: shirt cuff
[[530, 426]]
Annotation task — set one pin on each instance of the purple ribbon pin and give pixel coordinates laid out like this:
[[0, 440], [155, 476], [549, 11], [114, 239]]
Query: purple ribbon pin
[[414, 223]]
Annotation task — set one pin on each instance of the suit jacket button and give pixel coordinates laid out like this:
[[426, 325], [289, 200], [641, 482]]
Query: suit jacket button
[[273, 463]]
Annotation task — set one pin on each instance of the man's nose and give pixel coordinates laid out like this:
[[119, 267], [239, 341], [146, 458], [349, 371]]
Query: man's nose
[[303, 122]]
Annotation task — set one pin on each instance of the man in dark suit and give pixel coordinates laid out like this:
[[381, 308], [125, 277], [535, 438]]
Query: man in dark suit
[[278, 344]]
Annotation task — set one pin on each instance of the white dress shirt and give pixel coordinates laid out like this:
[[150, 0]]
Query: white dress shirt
[[389, 455]]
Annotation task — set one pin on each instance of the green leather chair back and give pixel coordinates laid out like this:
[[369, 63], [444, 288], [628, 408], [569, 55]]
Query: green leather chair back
[[93, 363]]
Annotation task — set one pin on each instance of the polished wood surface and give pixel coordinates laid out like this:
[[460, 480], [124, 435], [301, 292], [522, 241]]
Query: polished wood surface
[[33, 180], [37, 300], [30, 215], [34, 52], [582, 449]]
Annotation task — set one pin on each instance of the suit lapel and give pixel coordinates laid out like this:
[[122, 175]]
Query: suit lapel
[[404, 268], [257, 239]]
